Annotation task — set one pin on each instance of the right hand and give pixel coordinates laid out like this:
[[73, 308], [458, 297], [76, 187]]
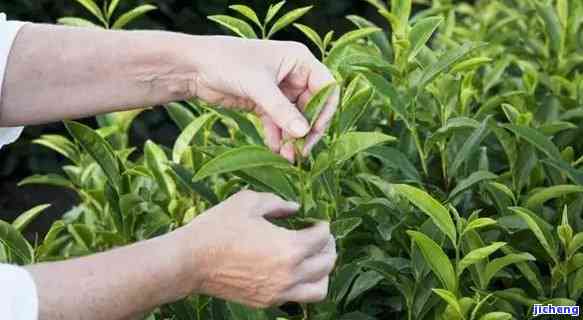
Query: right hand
[[242, 257]]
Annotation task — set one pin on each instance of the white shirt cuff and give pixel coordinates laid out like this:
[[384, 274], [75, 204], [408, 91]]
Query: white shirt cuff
[[18, 295]]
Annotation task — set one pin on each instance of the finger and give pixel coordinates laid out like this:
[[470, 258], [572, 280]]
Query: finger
[[276, 105], [308, 292], [313, 239], [287, 149], [274, 207], [272, 134], [318, 266]]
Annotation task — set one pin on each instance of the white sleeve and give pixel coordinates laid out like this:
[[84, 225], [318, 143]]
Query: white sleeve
[[18, 296], [8, 31]]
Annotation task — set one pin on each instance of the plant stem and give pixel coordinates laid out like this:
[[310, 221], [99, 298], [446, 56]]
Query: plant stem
[[420, 150]]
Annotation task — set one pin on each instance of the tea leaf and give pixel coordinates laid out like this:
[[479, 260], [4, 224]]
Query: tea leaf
[[157, 162], [187, 135], [185, 177], [470, 146], [388, 92], [494, 266], [316, 104], [394, 158], [420, 34], [553, 27], [378, 38], [111, 8], [450, 298], [474, 178], [98, 149], [77, 22], [132, 15], [539, 228], [180, 114], [273, 10], [61, 145], [238, 26], [241, 312], [402, 9], [437, 212], [538, 198], [342, 227], [49, 179], [287, 19], [241, 158], [350, 144], [311, 34], [354, 109], [27, 217], [17, 246], [247, 12], [479, 223], [92, 7], [365, 281], [470, 64], [342, 281], [445, 61], [273, 179], [436, 259], [352, 36], [536, 139], [496, 315], [478, 255]]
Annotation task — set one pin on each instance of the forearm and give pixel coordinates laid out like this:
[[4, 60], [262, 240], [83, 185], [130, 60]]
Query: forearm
[[59, 72], [119, 284]]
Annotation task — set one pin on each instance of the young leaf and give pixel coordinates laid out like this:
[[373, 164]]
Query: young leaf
[[92, 7], [111, 8], [184, 176], [273, 10], [498, 264], [349, 144], [437, 212], [157, 162], [420, 34], [351, 37], [238, 26], [27, 217], [241, 158], [470, 64], [478, 255], [312, 35], [98, 149], [575, 245], [536, 139], [450, 298], [49, 179], [473, 179], [287, 19], [247, 12], [539, 228], [365, 281], [180, 114], [436, 259], [496, 315], [470, 146], [538, 198], [378, 38], [316, 104], [478, 223], [402, 9], [445, 61], [16, 244], [187, 135], [61, 145], [77, 22], [388, 92], [553, 27], [354, 109], [132, 15], [274, 179], [342, 227], [394, 158]]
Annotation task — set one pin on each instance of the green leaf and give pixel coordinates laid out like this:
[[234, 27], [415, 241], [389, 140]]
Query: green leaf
[[27, 217], [478, 255], [351, 37], [61, 145], [420, 34], [342, 281], [83, 235], [273, 10], [394, 158], [402, 9], [157, 162], [187, 135], [17, 246], [541, 196], [288, 19], [77, 22], [575, 244], [471, 144], [536, 139], [311, 34], [342, 227], [435, 210], [470, 64], [553, 27], [49, 179], [496, 315], [365, 281], [445, 61], [387, 92], [185, 177], [354, 109], [241, 158], [450, 299], [247, 12], [92, 7], [539, 228], [498, 264], [180, 114], [479, 223], [111, 8], [98, 149], [473, 179], [378, 38], [238, 26], [316, 104], [436, 259], [274, 179], [131, 15]]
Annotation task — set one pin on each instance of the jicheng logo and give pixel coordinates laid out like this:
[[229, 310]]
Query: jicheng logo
[[539, 309]]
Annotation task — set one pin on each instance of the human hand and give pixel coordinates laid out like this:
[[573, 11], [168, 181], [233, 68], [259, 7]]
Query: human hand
[[242, 257], [274, 79]]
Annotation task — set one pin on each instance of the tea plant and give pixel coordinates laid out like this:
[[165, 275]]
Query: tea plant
[[450, 174]]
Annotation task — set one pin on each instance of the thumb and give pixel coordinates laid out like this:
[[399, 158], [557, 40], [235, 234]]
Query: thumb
[[267, 95]]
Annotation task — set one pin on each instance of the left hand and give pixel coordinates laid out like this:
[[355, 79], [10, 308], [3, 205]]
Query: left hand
[[274, 79]]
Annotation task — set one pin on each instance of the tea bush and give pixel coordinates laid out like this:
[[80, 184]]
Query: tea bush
[[450, 174]]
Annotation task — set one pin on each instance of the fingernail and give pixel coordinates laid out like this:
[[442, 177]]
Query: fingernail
[[299, 127]]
